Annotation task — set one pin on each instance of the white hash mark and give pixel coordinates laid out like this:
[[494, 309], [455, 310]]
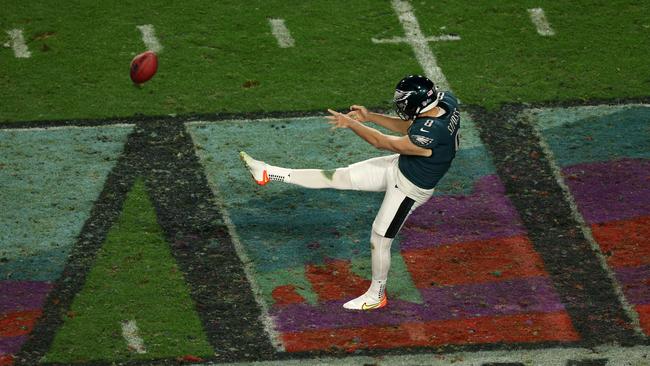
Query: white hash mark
[[130, 332], [17, 42], [538, 18], [149, 38], [281, 33]]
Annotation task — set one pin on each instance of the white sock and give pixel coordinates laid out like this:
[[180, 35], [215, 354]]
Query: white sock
[[312, 178], [278, 174], [380, 266]]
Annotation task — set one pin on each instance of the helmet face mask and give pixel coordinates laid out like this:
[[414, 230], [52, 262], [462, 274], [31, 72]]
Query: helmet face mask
[[402, 104], [413, 94]]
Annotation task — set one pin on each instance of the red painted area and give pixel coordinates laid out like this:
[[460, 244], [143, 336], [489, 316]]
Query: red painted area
[[626, 243], [530, 328], [644, 317], [285, 295], [474, 262], [19, 323], [6, 360], [334, 280]]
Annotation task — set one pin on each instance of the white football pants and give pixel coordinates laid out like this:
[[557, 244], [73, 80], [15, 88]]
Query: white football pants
[[379, 174]]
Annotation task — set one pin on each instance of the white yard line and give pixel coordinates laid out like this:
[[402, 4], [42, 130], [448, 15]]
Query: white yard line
[[444, 37], [131, 333], [586, 231], [17, 42], [538, 18], [419, 43], [249, 269], [149, 38], [281, 33]]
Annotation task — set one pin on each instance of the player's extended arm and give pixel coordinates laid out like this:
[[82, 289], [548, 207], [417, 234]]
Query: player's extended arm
[[401, 145], [395, 124]]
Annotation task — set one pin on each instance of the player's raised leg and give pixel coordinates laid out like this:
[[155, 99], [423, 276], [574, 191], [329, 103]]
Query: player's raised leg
[[368, 175]]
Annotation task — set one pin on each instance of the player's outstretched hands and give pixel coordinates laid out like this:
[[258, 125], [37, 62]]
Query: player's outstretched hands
[[359, 112], [340, 120]]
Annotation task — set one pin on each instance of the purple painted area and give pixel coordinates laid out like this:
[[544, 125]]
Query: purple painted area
[[22, 295], [635, 282], [612, 190], [11, 345], [535, 294], [485, 214]]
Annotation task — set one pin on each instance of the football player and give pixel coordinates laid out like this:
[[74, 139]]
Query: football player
[[427, 129]]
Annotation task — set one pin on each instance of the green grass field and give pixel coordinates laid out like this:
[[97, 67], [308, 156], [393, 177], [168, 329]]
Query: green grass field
[[222, 57], [208, 266]]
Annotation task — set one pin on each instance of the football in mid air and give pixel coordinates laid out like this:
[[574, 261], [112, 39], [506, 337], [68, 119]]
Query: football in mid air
[[144, 67]]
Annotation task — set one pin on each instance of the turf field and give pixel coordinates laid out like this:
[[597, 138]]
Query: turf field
[[131, 234]]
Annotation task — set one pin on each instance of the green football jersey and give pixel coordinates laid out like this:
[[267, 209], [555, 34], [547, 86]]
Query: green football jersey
[[441, 135]]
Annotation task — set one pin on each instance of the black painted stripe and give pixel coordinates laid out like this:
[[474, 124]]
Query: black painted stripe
[[400, 217], [202, 246], [200, 243]]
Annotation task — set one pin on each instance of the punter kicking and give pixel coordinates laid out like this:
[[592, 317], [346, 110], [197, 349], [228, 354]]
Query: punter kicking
[[428, 125]]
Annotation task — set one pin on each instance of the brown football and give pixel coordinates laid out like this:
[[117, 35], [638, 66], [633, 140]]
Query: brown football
[[144, 67]]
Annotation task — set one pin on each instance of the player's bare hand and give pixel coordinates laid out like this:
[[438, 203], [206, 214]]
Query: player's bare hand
[[340, 120], [358, 112]]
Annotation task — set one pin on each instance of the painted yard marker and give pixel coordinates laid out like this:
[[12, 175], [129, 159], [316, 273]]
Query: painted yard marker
[[130, 332], [149, 38], [281, 33], [538, 18], [419, 42], [17, 42]]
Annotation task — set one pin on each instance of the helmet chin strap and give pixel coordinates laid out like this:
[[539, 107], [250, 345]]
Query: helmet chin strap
[[430, 106]]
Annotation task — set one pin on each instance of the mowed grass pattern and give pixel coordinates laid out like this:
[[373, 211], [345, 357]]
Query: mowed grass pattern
[[134, 278], [222, 57]]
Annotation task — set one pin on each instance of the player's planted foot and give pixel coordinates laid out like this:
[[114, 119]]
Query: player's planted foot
[[258, 169], [366, 302]]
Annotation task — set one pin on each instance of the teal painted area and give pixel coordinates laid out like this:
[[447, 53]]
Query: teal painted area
[[284, 227], [593, 134], [287, 276], [471, 163], [50, 180]]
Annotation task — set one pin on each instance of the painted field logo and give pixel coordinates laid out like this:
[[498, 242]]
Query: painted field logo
[[464, 266]]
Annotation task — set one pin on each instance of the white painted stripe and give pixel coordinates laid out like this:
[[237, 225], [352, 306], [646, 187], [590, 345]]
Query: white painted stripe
[[586, 231], [249, 270], [130, 332], [419, 43], [444, 37], [17, 42], [149, 38], [281, 33], [539, 19], [615, 356]]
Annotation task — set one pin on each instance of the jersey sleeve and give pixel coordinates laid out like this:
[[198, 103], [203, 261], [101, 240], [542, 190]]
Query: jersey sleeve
[[423, 136]]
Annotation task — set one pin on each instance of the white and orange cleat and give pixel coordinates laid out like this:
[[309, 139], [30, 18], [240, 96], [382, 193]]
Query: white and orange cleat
[[258, 169], [366, 302]]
